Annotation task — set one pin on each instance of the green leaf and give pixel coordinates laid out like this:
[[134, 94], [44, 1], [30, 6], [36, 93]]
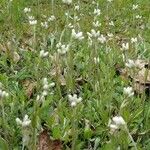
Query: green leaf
[[3, 144]]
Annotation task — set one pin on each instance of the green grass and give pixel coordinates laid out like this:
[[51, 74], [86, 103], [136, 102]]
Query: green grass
[[86, 125]]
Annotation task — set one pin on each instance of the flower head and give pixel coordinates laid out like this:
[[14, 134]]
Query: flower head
[[68, 2], [128, 91], [74, 100], [25, 122], [77, 35], [116, 123], [130, 63]]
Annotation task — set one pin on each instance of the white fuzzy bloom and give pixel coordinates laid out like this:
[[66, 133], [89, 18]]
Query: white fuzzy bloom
[[128, 91], [70, 26], [97, 12], [44, 24], [62, 49], [96, 24], [27, 10], [32, 20], [74, 100], [134, 40], [118, 120], [77, 7], [102, 39], [43, 54], [79, 35], [3, 94], [109, 0], [52, 84], [96, 60], [25, 123], [45, 81], [134, 7], [111, 23], [130, 63], [93, 33], [125, 46], [68, 2], [116, 123], [44, 93], [52, 18], [76, 18], [138, 17]]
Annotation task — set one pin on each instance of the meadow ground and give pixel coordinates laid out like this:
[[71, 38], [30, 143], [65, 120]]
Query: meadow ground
[[74, 74]]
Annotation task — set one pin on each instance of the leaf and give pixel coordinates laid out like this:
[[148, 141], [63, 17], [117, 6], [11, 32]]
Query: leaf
[[3, 144], [45, 143]]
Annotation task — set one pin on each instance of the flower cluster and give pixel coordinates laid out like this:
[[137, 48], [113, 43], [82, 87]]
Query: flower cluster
[[25, 122], [68, 2], [61, 48], [96, 34], [116, 123], [3, 93], [74, 100], [32, 20], [128, 91], [77, 35], [43, 54], [46, 86]]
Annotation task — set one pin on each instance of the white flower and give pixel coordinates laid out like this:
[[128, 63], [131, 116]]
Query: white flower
[[76, 18], [25, 123], [125, 46], [70, 26], [45, 81], [43, 54], [44, 93], [96, 60], [78, 35], [134, 40], [109, 0], [32, 20], [96, 24], [51, 18], [116, 123], [62, 49], [128, 91], [102, 39], [134, 7], [138, 17], [3, 94], [44, 24], [130, 63], [110, 35], [111, 23], [68, 2], [93, 33], [74, 100], [77, 7], [97, 12], [52, 84], [27, 10]]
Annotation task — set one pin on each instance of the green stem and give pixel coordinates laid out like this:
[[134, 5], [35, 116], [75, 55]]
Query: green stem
[[74, 132], [131, 138]]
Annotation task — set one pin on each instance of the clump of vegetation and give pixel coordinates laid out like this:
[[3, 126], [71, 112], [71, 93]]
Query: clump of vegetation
[[74, 74]]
